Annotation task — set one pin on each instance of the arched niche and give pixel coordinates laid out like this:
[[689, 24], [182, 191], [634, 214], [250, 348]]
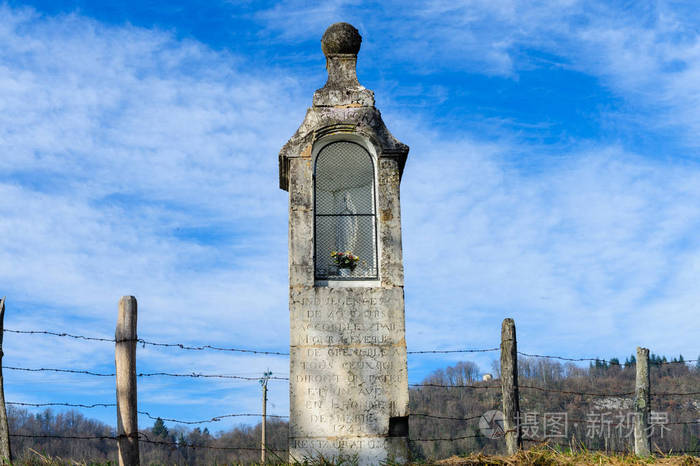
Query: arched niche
[[344, 212]]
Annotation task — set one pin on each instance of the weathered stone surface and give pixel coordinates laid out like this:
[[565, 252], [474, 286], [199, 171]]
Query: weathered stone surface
[[340, 44], [347, 316], [341, 38], [390, 219], [369, 450], [325, 121], [301, 224], [348, 372], [342, 87], [343, 105]]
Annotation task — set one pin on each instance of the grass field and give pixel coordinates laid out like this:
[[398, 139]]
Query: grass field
[[545, 455], [542, 455]]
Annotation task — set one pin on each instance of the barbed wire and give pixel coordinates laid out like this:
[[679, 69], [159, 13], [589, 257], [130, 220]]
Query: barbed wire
[[434, 416], [662, 363], [145, 413], [543, 389], [69, 371], [486, 350], [562, 358], [147, 342], [606, 361], [675, 394], [220, 417], [210, 347], [68, 437], [446, 439], [71, 405], [571, 392], [211, 376], [695, 421], [190, 347], [141, 374], [483, 387], [144, 342], [142, 438], [553, 390], [59, 334], [206, 421]]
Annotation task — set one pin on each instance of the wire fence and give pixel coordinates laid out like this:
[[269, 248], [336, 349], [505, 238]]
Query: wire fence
[[145, 413], [606, 361], [143, 342], [194, 375], [182, 444], [143, 437]]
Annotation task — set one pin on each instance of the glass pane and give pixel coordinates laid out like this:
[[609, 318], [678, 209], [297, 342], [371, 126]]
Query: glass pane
[[345, 222], [344, 180], [345, 234]]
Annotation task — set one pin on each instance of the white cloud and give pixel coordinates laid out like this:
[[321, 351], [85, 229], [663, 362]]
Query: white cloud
[[134, 163], [648, 56], [596, 246]]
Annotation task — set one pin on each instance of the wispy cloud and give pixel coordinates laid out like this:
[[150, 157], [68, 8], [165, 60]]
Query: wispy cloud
[[136, 163], [593, 247], [649, 56], [133, 163]]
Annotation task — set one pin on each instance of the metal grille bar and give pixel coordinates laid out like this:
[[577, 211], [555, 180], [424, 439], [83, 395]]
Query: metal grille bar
[[344, 220]]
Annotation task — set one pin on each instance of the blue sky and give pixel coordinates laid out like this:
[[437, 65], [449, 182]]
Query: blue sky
[[554, 177]]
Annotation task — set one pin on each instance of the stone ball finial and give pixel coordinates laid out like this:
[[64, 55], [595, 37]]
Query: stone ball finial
[[341, 38]]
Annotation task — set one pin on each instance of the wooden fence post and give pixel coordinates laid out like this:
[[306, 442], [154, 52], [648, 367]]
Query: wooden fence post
[[642, 406], [509, 387], [125, 361], [5, 452], [263, 443]]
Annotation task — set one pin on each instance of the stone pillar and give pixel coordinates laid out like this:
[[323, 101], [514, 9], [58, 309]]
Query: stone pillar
[[348, 374]]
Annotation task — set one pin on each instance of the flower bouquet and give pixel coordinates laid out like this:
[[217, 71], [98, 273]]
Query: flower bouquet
[[345, 260]]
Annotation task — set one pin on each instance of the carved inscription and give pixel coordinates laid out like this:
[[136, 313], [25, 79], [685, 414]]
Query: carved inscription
[[348, 363], [339, 444], [346, 318], [368, 450]]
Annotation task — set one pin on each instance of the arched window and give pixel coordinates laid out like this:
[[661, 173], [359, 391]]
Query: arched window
[[344, 213]]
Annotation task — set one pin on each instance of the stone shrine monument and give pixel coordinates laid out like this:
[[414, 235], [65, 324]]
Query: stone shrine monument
[[342, 169]]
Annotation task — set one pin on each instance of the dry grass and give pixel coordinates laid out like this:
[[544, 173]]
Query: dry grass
[[541, 455], [545, 455], [40, 459]]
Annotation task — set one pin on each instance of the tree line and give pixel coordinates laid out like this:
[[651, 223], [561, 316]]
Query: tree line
[[185, 446]]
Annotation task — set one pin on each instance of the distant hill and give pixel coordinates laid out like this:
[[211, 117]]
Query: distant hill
[[589, 417], [598, 422]]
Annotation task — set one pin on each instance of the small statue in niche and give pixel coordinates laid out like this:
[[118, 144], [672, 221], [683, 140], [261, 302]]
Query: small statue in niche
[[346, 231]]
